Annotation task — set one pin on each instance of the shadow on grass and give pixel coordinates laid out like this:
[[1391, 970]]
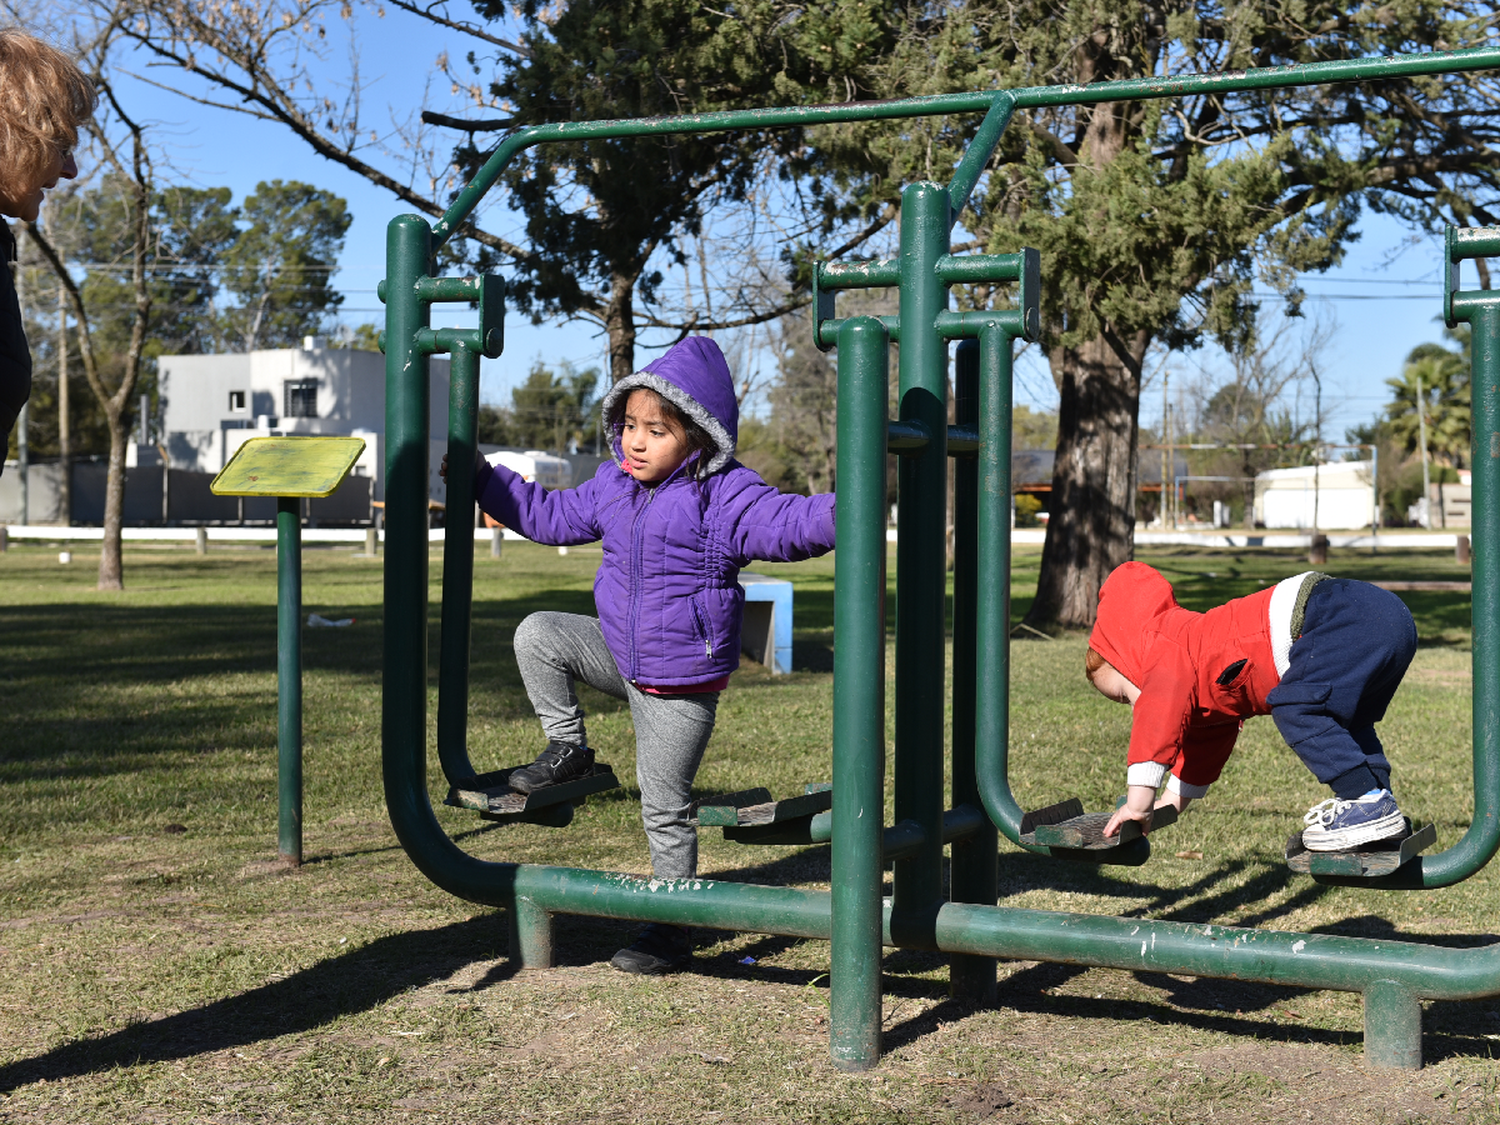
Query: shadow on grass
[[1214, 1006], [353, 982]]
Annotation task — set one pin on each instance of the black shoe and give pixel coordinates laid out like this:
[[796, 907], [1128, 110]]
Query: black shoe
[[558, 763], [660, 948]]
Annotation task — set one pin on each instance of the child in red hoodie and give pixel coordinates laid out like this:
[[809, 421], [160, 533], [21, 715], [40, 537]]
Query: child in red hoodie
[[1322, 656]]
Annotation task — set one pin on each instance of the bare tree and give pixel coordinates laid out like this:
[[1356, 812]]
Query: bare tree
[[1255, 412], [119, 142], [599, 246]]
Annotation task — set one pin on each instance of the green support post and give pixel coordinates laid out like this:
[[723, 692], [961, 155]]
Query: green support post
[[458, 563], [1393, 1026], [530, 934], [921, 564], [289, 677], [859, 695], [404, 659], [974, 862]]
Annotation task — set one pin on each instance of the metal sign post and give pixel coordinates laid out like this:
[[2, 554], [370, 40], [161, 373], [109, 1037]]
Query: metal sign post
[[291, 469]]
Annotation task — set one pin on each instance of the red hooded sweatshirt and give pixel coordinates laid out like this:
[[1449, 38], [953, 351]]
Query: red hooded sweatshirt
[[1200, 674]]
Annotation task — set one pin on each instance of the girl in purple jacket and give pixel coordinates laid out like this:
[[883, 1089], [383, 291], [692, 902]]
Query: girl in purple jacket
[[678, 518]]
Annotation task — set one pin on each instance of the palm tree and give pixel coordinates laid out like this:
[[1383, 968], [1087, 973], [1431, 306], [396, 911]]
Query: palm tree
[[1431, 410]]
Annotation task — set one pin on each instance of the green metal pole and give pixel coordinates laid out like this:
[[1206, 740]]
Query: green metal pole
[[859, 695], [974, 862], [458, 564], [404, 675], [921, 563], [289, 676], [992, 614], [1479, 843]]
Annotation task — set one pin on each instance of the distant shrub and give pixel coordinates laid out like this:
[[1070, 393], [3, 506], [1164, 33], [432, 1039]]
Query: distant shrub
[[1027, 506]]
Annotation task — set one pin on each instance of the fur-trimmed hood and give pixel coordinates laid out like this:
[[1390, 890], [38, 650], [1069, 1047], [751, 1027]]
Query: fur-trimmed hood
[[693, 376]]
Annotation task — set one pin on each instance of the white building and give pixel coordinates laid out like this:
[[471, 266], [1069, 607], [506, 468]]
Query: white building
[[1344, 491], [210, 404]]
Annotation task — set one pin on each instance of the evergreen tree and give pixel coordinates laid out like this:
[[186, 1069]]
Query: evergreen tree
[[1155, 218], [281, 266]]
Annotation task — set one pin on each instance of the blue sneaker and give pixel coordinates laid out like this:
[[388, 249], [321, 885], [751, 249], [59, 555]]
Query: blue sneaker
[[1340, 826]]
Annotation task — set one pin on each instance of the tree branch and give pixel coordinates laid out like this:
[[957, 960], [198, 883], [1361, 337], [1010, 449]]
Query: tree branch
[[266, 93], [477, 32], [492, 125]]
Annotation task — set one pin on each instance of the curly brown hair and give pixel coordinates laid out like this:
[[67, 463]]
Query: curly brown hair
[[44, 98]]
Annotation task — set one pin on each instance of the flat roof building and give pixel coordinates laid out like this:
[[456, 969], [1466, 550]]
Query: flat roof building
[[210, 404]]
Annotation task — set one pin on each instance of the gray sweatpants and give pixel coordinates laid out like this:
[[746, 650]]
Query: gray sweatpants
[[555, 651]]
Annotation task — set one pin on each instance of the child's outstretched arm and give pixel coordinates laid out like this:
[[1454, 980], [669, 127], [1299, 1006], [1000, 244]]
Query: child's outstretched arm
[[777, 526], [558, 518]]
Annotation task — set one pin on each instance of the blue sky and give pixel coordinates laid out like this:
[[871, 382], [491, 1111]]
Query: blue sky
[[1384, 299]]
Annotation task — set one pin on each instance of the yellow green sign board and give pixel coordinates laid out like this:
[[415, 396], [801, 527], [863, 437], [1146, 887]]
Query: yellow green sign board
[[288, 466]]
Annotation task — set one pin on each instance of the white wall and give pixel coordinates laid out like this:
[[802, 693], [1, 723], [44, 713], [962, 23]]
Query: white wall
[[1285, 497], [202, 432]]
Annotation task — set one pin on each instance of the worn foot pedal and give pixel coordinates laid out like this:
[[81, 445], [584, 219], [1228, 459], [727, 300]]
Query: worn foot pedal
[[751, 817], [1383, 857], [490, 795], [1086, 832]]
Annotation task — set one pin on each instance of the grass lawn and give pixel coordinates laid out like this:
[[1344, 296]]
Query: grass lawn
[[158, 965]]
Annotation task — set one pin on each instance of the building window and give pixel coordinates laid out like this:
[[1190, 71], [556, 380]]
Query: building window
[[236, 402], [300, 399]]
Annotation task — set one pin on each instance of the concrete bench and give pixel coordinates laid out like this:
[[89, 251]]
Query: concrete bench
[[767, 635]]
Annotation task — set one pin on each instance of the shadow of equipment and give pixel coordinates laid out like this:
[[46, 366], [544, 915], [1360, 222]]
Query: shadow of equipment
[[355, 981]]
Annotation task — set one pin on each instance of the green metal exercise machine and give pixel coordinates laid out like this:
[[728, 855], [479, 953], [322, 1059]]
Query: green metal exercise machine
[[1393, 977]]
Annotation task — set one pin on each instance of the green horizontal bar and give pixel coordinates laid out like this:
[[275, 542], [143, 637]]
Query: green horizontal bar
[[1381, 69], [976, 269], [874, 274], [440, 341], [971, 325], [1470, 304], [906, 437], [718, 122], [828, 330], [1302, 74], [1345, 964], [442, 289], [899, 839], [450, 288], [1473, 242], [963, 440]]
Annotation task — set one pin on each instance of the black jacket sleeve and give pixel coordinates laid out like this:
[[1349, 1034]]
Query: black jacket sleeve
[[15, 356]]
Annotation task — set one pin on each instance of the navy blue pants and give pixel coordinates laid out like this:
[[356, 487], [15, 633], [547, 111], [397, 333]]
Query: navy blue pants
[[1357, 642]]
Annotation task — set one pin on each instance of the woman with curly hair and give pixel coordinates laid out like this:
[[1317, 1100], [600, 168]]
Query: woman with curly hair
[[44, 98]]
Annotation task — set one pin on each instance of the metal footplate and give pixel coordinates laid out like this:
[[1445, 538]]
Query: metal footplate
[[1383, 857], [752, 817], [491, 796], [1071, 833]]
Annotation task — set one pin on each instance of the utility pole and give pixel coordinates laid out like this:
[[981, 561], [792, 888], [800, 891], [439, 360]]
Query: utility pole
[[64, 430], [1317, 552], [1422, 437], [1166, 447]]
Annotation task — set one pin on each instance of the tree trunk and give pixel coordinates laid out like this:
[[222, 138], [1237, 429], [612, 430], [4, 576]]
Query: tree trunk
[[619, 319], [111, 560], [1091, 521]]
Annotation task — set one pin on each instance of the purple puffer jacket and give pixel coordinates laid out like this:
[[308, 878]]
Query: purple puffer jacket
[[667, 591]]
